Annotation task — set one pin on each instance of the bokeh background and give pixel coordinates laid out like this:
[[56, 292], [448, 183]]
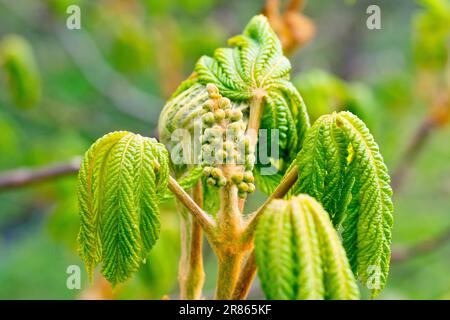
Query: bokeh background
[[61, 89]]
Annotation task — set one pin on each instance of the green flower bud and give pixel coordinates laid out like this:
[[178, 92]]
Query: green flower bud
[[208, 118], [251, 188], [248, 176], [236, 115], [242, 194], [207, 148], [224, 103], [207, 171], [228, 113], [237, 177], [206, 107], [250, 160], [217, 130], [211, 181], [247, 144], [222, 181], [243, 187], [216, 173], [213, 91], [219, 115], [234, 128]]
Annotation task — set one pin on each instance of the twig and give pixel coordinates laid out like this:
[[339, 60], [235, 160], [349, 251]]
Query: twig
[[26, 176], [412, 152], [438, 117], [427, 246], [282, 189], [207, 222]]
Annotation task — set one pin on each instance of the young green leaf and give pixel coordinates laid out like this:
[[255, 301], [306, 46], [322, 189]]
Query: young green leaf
[[299, 254], [341, 166], [121, 179]]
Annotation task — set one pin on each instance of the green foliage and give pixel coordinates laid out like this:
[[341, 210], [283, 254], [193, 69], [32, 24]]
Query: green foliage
[[23, 79], [324, 93], [432, 28], [299, 254], [341, 166], [121, 178], [254, 66]]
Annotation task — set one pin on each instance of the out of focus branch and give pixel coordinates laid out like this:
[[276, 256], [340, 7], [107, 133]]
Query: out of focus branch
[[427, 246], [292, 27], [25, 176], [439, 117]]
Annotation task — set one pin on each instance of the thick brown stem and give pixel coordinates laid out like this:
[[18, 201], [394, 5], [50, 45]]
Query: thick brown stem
[[229, 268]]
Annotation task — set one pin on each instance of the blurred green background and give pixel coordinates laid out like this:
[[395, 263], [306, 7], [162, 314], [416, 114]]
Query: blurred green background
[[61, 89]]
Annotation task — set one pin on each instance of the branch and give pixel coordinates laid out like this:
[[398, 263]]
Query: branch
[[438, 117], [283, 188], [427, 246], [246, 277], [206, 221], [412, 152], [191, 272], [26, 176]]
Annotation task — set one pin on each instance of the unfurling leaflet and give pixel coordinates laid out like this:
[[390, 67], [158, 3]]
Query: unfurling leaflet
[[299, 254], [121, 179]]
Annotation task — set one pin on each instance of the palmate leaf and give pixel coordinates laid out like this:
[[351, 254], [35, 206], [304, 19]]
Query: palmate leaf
[[341, 166], [121, 179], [299, 254], [254, 65]]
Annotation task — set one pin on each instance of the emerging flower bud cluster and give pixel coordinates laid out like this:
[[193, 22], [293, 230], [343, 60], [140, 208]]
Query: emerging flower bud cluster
[[224, 142]]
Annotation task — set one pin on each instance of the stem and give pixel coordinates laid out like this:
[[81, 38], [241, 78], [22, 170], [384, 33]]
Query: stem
[[245, 279], [191, 273], [412, 152], [229, 247], [229, 215], [229, 267], [254, 119], [24, 176], [203, 219], [285, 185]]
